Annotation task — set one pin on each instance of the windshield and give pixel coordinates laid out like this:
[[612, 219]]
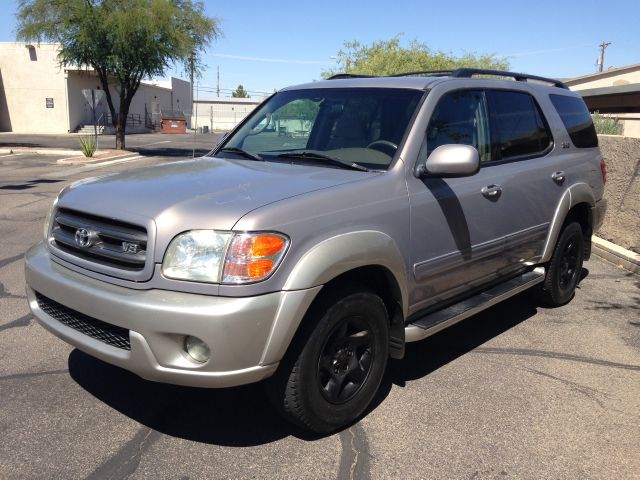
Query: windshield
[[354, 125]]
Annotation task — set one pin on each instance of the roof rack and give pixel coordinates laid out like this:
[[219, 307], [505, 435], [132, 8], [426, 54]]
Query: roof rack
[[461, 73], [340, 76], [519, 77], [424, 73]]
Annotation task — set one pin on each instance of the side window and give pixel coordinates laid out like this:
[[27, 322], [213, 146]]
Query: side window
[[461, 117], [518, 126], [576, 119]]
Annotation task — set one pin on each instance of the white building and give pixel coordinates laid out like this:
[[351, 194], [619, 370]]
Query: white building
[[222, 113], [37, 95]]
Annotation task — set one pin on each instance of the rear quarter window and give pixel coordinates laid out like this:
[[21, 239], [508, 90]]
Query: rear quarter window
[[518, 128], [576, 119]]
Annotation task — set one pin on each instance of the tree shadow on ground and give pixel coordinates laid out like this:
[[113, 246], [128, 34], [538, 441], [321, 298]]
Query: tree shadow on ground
[[242, 416]]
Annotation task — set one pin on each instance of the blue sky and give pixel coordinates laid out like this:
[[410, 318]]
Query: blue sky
[[269, 45]]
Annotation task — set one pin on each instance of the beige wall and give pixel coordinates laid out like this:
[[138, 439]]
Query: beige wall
[[28, 79], [622, 222], [607, 79]]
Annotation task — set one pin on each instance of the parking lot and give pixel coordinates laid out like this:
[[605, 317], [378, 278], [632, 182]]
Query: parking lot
[[515, 392], [173, 145]]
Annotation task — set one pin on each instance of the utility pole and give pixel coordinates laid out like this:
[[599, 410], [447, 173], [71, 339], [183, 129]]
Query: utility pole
[[192, 66], [218, 84], [603, 45]]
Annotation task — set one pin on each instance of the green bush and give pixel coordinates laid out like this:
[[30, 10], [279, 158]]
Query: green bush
[[606, 125], [88, 145]]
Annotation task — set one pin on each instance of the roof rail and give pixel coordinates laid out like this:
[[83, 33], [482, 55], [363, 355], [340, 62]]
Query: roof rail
[[519, 77], [423, 72], [461, 73], [340, 76]]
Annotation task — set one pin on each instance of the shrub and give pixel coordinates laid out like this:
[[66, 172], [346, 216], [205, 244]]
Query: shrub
[[606, 125], [88, 145]]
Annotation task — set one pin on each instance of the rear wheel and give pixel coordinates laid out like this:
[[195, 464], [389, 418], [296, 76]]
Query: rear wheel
[[564, 269], [327, 381]]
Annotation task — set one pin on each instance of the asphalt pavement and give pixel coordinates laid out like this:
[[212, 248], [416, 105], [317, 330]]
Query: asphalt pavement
[[174, 145], [516, 392]]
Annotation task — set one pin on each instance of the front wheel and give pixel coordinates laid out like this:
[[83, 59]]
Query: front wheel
[[564, 269], [327, 381]]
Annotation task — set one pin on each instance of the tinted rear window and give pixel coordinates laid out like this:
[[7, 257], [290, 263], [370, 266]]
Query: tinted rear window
[[576, 119], [518, 128]]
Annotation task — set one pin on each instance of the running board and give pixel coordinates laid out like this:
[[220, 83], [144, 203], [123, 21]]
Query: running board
[[434, 322]]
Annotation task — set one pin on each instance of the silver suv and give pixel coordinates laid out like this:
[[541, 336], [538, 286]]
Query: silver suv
[[340, 220]]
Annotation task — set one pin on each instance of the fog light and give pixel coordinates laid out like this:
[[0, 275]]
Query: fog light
[[197, 349]]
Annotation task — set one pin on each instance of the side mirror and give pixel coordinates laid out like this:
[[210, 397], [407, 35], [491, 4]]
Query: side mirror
[[451, 161]]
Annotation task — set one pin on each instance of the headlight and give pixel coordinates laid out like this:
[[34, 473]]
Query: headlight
[[47, 220], [196, 255], [224, 257]]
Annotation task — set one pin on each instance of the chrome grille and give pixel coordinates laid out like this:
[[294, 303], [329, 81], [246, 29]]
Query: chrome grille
[[108, 242], [105, 332]]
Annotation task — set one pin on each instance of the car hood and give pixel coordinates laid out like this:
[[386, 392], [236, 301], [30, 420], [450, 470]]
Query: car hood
[[205, 193]]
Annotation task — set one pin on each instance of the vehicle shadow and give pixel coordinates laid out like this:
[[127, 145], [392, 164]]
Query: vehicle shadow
[[242, 416], [237, 417], [424, 357]]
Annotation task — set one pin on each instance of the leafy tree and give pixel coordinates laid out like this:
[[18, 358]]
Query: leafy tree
[[121, 40], [240, 92], [387, 57]]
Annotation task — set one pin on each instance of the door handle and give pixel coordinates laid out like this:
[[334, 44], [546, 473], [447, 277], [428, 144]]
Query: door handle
[[491, 191], [558, 177]]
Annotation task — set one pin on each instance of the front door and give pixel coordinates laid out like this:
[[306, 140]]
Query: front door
[[468, 231]]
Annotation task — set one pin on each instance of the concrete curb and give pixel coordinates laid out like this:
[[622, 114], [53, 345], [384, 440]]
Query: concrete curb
[[616, 254], [95, 159], [40, 151]]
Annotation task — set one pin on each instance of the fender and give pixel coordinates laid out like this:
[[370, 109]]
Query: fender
[[337, 255], [575, 194], [321, 264]]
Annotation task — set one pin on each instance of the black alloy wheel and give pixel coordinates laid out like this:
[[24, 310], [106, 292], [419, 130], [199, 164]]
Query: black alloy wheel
[[335, 364], [345, 360], [564, 269]]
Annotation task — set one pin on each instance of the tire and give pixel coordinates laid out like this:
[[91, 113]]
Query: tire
[[334, 367], [564, 269]]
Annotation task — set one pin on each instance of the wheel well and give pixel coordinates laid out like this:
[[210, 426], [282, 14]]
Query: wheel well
[[582, 214], [378, 279], [382, 282]]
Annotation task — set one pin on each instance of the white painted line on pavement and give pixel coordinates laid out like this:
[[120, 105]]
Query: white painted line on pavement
[[10, 155], [94, 166], [149, 144], [112, 162]]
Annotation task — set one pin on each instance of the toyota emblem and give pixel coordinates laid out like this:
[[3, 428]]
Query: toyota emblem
[[83, 238]]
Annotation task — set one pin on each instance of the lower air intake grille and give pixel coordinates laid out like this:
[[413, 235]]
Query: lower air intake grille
[[105, 332]]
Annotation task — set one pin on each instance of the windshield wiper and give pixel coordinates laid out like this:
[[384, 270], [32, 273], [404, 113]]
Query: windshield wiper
[[313, 155], [242, 152]]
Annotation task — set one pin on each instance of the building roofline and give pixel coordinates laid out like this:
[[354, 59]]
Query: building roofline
[[255, 101], [29, 43], [613, 90], [594, 76]]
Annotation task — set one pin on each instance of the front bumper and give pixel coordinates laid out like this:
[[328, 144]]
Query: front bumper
[[247, 336]]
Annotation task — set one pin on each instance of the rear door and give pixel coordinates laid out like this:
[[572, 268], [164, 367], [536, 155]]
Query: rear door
[[532, 178]]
